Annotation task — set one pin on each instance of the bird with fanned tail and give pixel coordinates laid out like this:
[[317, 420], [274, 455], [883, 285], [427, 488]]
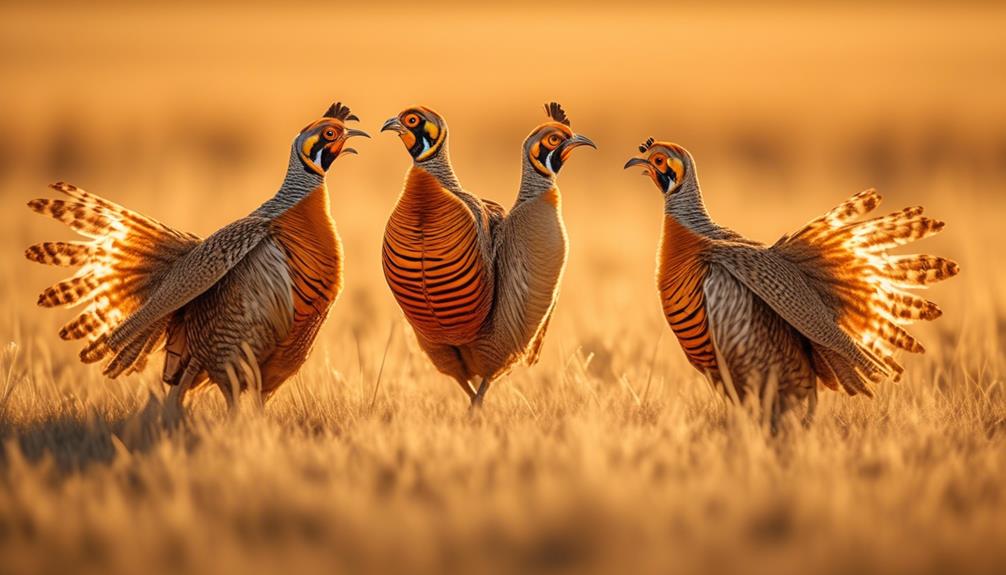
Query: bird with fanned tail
[[239, 309], [478, 284], [825, 304]]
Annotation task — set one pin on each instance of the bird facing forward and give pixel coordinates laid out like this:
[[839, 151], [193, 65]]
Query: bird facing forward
[[240, 309], [825, 303], [477, 284]]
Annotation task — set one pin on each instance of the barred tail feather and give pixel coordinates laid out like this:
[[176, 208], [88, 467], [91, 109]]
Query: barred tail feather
[[917, 270], [118, 270], [65, 254], [69, 292], [848, 265]]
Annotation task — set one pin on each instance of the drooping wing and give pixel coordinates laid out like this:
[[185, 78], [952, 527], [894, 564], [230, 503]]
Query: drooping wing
[[234, 330], [495, 213], [754, 347], [538, 341], [783, 286], [189, 276], [529, 260]]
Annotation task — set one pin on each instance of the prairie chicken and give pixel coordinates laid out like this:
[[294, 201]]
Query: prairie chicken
[[239, 309], [825, 303], [477, 284]]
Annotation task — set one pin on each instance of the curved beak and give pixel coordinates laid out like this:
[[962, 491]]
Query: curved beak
[[578, 140], [574, 142], [352, 133], [637, 162], [393, 124]]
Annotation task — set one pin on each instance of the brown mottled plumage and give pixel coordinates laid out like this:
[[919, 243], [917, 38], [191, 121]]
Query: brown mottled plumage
[[477, 284], [825, 303], [239, 309]]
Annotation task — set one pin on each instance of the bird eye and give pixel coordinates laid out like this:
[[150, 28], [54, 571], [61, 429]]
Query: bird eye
[[329, 134], [659, 161], [411, 120], [553, 139]]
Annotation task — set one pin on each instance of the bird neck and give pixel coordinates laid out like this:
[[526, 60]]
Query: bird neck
[[439, 166], [532, 183], [297, 185], [685, 205]]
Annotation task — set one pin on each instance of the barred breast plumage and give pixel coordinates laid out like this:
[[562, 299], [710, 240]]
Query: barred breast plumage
[[434, 263], [681, 281]]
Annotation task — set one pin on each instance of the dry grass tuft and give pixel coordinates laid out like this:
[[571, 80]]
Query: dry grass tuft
[[612, 454]]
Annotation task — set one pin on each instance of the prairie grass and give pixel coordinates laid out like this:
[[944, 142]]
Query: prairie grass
[[612, 454]]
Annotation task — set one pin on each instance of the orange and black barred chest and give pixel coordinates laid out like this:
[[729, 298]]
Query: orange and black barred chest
[[313, 250], [307, 236], [434, 264], [680, 279]]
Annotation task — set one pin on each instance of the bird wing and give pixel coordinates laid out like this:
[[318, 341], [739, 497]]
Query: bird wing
[[234, 329], [496, 214], [783, 286], [755, 347], [538, 341], [189, 276], [529, 259]]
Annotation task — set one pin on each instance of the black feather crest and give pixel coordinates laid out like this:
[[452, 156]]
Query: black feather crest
[[555, 111], [646, 146], [340, 112]]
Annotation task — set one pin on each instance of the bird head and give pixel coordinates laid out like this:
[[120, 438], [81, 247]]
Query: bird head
[[549, 145], [667, 164], [324, 140], [422, 130]]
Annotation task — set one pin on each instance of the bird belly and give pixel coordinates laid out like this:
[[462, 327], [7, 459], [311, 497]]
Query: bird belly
[[434, 263]]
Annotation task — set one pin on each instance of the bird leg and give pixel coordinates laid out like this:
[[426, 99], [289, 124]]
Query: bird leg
[[174, 407], [808, 417], [466, 386], [481, 393]]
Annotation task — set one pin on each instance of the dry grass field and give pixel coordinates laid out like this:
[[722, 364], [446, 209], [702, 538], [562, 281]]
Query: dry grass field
[[611, 455]]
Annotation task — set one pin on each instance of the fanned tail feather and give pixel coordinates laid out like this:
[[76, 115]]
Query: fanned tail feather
[[66, 254], [847, 264], [119, 268]]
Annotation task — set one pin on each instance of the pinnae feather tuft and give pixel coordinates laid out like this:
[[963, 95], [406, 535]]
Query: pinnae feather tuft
[[554, 111], [340, 112]]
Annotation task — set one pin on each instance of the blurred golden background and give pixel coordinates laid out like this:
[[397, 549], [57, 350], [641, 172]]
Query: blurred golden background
[[185, 111]]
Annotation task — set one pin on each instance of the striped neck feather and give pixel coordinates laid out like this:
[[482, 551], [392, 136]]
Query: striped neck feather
[[297, 185]]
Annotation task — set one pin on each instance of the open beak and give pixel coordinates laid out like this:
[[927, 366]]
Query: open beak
[[575, 142], [395, 125], [638, 162], [351, 133]]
